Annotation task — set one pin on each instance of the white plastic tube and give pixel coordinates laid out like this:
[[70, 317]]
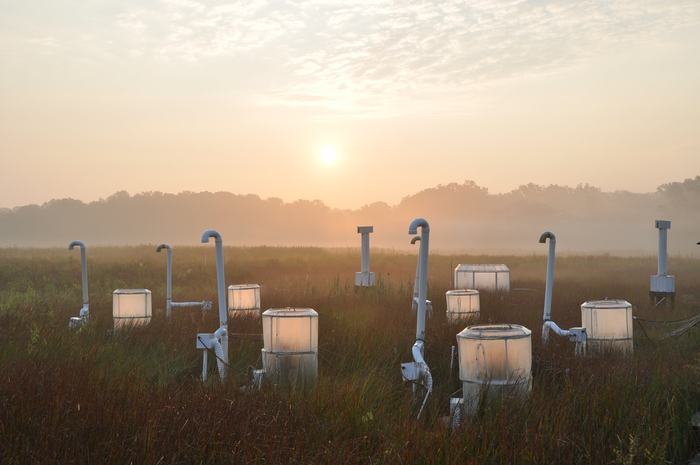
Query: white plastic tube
[[422, 278], [422, 272], [219, 351], [169, 299], [663, 252], [85, 311], [222, 333]]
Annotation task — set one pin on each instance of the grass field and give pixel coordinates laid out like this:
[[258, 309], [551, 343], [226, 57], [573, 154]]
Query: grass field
[[90, 396]]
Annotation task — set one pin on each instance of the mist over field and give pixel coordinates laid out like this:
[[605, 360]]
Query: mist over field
[[462, 217]]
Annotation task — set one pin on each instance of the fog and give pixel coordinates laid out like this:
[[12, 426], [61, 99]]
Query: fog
[[463, 217]]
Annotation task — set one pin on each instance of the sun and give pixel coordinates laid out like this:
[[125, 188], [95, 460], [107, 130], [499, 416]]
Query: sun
[[328, 155]]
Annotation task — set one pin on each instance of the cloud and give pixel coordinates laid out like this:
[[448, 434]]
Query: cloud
[[350, 55]]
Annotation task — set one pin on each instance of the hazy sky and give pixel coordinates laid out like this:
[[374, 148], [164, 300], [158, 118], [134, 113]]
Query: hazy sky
[[103, 95]]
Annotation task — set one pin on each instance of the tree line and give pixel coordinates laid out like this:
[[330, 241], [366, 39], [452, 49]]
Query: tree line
[[462, 217]]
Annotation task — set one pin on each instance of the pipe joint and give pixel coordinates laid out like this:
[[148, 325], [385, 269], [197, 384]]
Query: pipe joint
[[547, 235], [415, 224], [163, 246], [78, 243], [211, 233]]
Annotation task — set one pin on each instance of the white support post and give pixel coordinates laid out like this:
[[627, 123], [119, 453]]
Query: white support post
[[662, 285], [365, 277]]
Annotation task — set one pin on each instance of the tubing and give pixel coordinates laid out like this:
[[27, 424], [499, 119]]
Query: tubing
[[417, 351], [548, 286], [423, 272], [219, 351], [85, 311], [169, 299], [422, 278], [415, 282], [549, 324], [550, 272], [221, 283]]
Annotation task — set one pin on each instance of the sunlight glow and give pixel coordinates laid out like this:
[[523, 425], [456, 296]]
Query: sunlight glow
[[328, 155]]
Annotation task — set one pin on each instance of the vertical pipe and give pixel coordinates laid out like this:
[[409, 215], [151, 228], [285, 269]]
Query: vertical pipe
[[550, 273], [83, 266], [168, 299], [663, 244], [221, 283], [415, 281], [423, 273], [365, 253]]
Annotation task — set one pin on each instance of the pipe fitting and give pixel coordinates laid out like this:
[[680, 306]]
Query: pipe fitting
[[547, 235], [163, 246], [211, 233], [415, 224]]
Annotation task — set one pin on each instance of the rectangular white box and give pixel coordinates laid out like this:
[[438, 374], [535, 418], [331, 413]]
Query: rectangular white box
[[662, 284]]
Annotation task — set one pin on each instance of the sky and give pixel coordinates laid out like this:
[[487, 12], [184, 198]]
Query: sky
[[350, 102]]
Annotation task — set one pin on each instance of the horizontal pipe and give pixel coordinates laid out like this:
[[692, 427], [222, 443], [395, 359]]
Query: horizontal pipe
[[169, 282], [187, 304], [549, 324]]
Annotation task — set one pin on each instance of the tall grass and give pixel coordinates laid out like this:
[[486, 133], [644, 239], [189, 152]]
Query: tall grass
[[90, 395]]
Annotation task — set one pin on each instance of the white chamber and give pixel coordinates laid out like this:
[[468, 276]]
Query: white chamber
[[290, 353], [131, 307], [482, 277], [495, 360]]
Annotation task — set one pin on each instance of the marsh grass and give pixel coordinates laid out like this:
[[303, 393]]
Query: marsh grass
[[90, 395]]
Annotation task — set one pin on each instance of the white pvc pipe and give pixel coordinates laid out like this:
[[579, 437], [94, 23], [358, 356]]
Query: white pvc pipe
[[549, 324], [169, 299], [364, 265], [548, 286], [418, 348], [423, 272], [663, 251], [222, 332], [550, 272], [415, 282], [417, 351], [85, 311]]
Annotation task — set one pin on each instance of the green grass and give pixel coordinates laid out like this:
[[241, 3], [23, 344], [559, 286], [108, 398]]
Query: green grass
[[89, 395]]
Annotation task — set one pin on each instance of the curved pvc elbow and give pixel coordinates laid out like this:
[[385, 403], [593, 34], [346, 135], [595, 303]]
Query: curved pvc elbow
[[549, 324], [221, 332], [211, 233], [415, 224], [547, 235], [163, 246], [78, 243]]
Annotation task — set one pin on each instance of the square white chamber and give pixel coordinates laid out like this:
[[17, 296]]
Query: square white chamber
[[131, 307], [243, 300], [462, 304], [482, 277], [290, 353], [608, 324]]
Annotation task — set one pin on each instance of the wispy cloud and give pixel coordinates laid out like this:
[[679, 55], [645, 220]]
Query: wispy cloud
[[362, 55]]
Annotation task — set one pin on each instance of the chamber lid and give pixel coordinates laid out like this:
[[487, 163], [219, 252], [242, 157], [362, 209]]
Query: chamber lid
[[606, 304], [235, 287], [503, 331], [290, 312], [460, 292], [484, 268], [131, 291]]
